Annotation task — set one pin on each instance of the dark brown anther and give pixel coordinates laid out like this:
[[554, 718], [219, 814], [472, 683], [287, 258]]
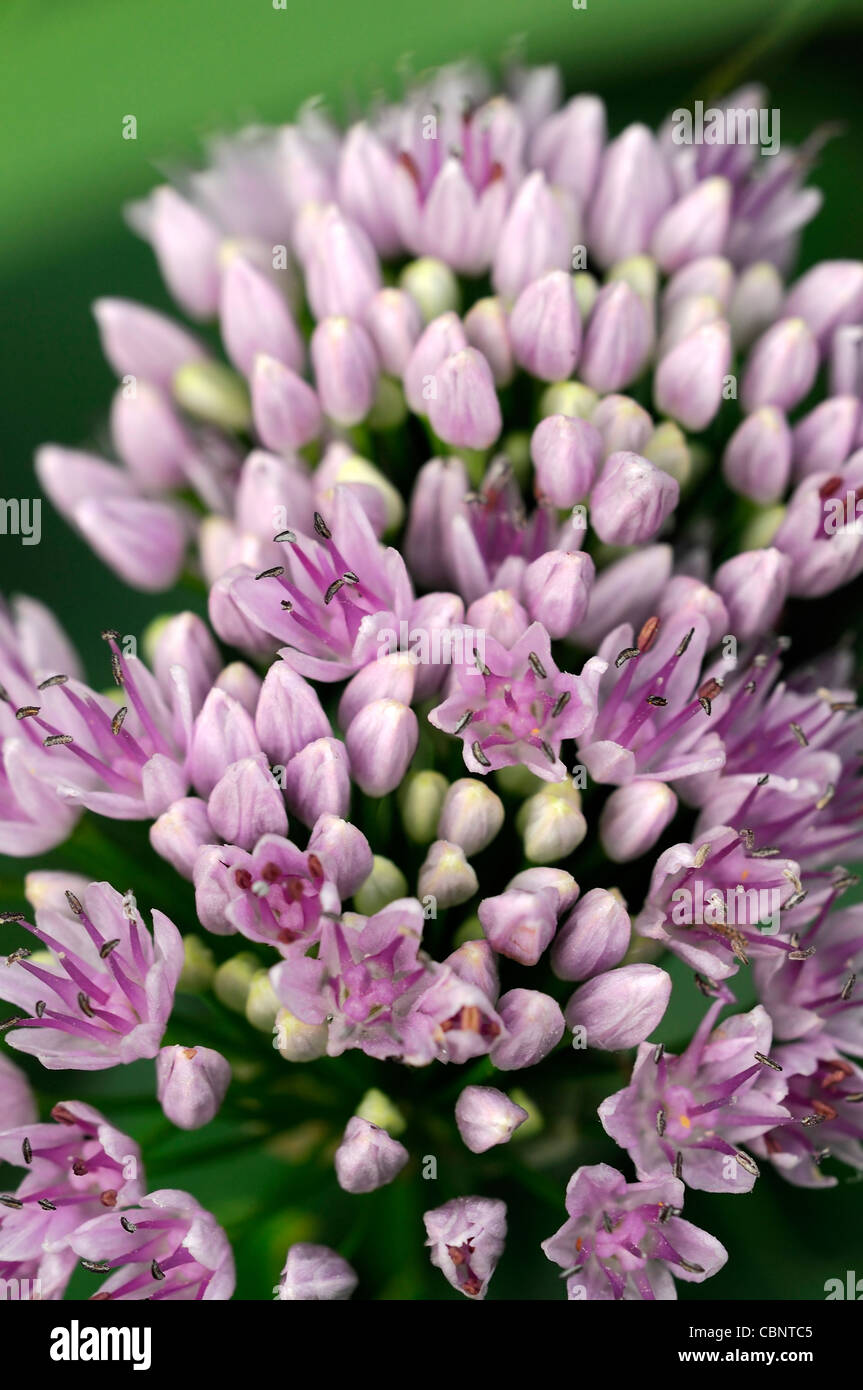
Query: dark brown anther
[[74, 902], [659, 701], [107, 947], [127, 1225], [7, 1023], [26, 711], [855, 1098], [15, 957], [57, 740], [658, 1053], [79, 1168], [27, 1151], [848, 988], [274, 572], [84, 1004], [286, 605], [678, 1165], [117, 721], [607, 1222], [560, 703], [811, 1120], [288, 537], [110, 634], [350, 578], [156, 1270], [628, 654], [806, 954], [767, 1061], [480, 665], [41, 1006], [243, 879], [548, 751], [464, 721], [316, 868], [660, 1122], [11, 916], [536, 666], [799, 735], [14, 1203], [322, 528], [667, 1214], [688, 1265], [647, 636], [829, 486], [46, 1205], [333, 590], [52, 680], [476, 749], [747, 836], [762, 781], [117, 668], [685, 643], [95, 1266]]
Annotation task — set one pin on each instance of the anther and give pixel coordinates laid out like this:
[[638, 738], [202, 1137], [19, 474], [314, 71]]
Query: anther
[[476, 749], [273, 573], [117, 721], [322, 528], [52, 680], [537, 666]]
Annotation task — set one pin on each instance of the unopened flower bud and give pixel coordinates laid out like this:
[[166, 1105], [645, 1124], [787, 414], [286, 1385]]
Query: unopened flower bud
[[368, 1157], [179, 832], [631, 500], [534, 1026], [314, 1273], [384, 885], [551, 823], [471, 815], [190, 1084], [520, 924], [486, 1117], [446, 875], [432, 284], [233, 980], [594, 937], [297, 1041], [620, 1008], [566, 453], [634, 817], [421, 797]]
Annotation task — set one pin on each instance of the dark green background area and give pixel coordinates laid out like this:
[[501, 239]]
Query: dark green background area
[[71, 70]]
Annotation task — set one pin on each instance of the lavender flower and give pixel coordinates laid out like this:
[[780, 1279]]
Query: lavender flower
[[628, 1240], [107, 997], [467, 1237]]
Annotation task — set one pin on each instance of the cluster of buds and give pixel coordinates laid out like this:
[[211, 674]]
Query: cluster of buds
[[446, 637]]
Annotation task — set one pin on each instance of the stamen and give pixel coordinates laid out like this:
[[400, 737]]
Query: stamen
[[464, 721], [273, 573], [537, 666], [27, 1151], [560, 703], [57, 740], [476, 749], [26, 711], [119, 717], [322, 528], [767, 1061], [626, 655], [286, 536], [52, 680]]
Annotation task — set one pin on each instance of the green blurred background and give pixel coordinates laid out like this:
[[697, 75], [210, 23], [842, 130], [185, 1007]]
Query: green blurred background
[[72, 69]]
